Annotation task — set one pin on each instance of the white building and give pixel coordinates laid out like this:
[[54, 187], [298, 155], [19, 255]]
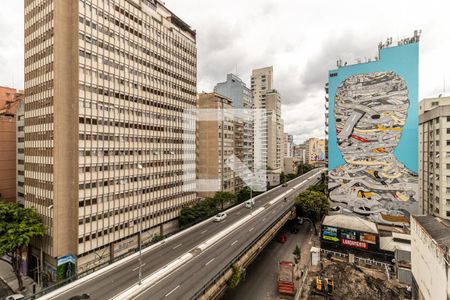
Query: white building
[[430, 242]]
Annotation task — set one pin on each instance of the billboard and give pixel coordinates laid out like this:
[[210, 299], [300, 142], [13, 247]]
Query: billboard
[[373, 136]]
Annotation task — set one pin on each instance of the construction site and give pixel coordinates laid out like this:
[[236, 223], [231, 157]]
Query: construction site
[[336, 278]]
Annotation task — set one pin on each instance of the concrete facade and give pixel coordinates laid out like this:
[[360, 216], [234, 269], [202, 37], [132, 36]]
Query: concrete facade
[[430, 256], [20, 150], [9, 101], [434, 157], [215, 143], [106, 85], [314, 150]]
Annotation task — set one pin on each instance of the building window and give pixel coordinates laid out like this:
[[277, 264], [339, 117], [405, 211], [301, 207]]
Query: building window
[[434, 103]]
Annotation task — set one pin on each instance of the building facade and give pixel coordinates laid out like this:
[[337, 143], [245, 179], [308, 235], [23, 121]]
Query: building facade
[[106, 84], [434, 156], [241, 98], [288, 145], [314, 151], [300, 152], [372, 134], [10, 99], [266, 97], [430, 257], [20, 153], [216, 141]]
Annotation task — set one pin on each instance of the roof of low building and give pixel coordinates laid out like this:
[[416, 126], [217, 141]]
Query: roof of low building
[[437, 228], [350, 222]]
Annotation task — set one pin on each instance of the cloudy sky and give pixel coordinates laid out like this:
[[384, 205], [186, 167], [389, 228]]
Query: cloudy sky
[[301, 39]]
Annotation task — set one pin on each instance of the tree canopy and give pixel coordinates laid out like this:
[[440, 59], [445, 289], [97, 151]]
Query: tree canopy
[[312, 204]]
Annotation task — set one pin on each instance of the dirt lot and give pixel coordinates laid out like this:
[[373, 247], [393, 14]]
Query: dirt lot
[[355, 282]]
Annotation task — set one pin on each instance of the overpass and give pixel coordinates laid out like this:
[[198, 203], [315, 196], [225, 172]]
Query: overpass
[[187, 264]]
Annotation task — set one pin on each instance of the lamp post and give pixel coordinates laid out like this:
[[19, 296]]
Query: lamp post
[[140, 167]]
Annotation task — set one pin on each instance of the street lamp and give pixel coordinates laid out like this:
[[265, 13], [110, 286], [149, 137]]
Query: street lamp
[[140, 167]]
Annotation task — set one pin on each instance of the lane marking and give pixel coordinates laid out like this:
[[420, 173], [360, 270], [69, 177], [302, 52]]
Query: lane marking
[[234, 242], [137, 268], [177, 246], [204, 231], [252, 228], [210, 261], [264, 219], [167, 295]]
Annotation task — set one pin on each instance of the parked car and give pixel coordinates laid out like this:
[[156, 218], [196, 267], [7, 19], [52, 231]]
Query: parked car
[[249, 203], [220, 217], [81, 297], [15, 297], [282, 238]]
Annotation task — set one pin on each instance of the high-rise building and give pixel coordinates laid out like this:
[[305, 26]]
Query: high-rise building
[[10, 99], [265, 97], [288, 145], [216, 142], [20, 153], [106, 86], [434, 156], [241, 98], [300, 152], [372, 133]]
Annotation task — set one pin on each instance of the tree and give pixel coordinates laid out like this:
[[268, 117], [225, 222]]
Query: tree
[[224, 197], [17, 227], [235, 277], [313, 205], [297, 254], [200, 211], [243, 195]]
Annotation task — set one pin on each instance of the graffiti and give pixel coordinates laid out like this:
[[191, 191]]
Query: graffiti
[[370, 112]]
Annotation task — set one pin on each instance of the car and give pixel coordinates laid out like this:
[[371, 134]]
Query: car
[[80, 297], [220, 217], [249, 203], [282, 238], [294, 230], [15, 297]]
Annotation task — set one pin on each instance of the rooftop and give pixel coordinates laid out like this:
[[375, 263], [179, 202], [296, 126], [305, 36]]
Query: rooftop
[[437, 228], [350, 222]]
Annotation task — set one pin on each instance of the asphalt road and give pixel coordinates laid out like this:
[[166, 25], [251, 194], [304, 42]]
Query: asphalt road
[[110, 283], [261, 276], [184, 282]]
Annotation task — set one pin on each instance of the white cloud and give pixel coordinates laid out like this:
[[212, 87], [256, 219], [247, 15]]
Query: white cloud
[[301, 39]]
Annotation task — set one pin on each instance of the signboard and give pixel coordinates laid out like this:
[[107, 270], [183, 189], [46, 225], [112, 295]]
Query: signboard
[[348, 234], [368, 238], [354, 244], [66, 267], [329, 233]]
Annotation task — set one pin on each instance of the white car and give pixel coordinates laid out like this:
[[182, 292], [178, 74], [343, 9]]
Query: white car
[[220, 217], [15, 297]]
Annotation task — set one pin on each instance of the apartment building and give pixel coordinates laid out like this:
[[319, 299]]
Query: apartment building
[[10, 99], [106, 86], [288, 145], [241, 98], [314, 151], [430, 257], [266, 97], [434, 156], [300, 152], [216, 141]]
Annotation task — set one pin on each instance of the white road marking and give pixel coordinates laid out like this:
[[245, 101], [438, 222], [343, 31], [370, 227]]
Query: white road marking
[[137, 268], [252, 228], [264, 219], [234, 242], [177, 246], [210, 261], [204, 231], [167, 295]]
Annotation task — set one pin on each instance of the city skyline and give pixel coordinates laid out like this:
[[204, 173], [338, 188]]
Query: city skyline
[[290, 46]]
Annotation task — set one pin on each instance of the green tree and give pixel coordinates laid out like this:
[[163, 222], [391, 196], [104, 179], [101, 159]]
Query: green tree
[[200, 211], [224, 197], [235, 277], [313, 205], [297, 254], [17, 227], [243, 195], [303, 168]]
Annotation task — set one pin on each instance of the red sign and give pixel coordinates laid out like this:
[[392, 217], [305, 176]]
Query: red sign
[[355, 244]]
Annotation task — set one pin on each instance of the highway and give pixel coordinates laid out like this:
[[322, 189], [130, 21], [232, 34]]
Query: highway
[[184, 281]]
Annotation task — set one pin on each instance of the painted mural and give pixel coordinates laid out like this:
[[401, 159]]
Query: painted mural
[[370, 111]]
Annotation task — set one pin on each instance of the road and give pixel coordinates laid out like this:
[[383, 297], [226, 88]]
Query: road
[[261, 277], [107, 284]]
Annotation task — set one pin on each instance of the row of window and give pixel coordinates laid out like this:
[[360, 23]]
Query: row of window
[[123, 152], [131, 166]]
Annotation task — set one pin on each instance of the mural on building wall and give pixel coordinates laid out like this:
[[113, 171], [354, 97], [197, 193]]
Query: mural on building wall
[[370, 111]]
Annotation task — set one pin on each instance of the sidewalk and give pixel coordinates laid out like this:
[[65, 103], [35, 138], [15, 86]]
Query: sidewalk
[[8, 277]]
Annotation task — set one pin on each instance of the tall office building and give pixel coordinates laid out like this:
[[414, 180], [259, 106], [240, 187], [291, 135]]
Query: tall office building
[[434, 157], [216, 142], [265, 97], [241, 98], [20, 153], [106, 86]]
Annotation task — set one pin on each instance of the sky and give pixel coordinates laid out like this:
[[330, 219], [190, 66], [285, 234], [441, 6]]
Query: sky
[[301, 39]]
